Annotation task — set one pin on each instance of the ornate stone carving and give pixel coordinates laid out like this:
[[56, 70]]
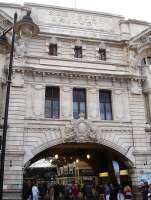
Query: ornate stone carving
[[80, 130]]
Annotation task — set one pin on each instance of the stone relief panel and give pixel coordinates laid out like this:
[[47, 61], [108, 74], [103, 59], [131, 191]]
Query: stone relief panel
[[80, 130], [93, 103], [18, 80], [35, 99], [120, 105], [77, 19], [135, 87], [66, 101]]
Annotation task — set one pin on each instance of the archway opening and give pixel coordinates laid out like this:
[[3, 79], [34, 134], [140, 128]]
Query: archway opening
[[79, 163]]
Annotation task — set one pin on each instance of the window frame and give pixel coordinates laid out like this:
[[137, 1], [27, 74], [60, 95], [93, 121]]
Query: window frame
[[104, 105], [78, 102], [54, 46], [101, 56], [76, 51], [50, 114]]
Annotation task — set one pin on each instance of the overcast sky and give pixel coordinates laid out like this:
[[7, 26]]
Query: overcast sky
[[134, 9]]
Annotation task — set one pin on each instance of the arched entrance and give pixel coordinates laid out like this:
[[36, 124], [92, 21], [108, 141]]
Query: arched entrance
[[74, 162]]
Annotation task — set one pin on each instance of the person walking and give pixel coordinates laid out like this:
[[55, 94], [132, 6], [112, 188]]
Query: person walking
[[127, 193], [120, 195], [149, 192], [35, 191]]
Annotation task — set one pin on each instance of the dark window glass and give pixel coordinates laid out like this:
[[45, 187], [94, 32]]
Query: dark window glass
[[102, 54], [78, 52], [52, 102], [149, 60], [143, 61], [79, 102], [105, 105], [53, 49], [0, 142]]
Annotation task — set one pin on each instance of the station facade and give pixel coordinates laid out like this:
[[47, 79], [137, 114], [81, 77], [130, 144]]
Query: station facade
[[85, 79]]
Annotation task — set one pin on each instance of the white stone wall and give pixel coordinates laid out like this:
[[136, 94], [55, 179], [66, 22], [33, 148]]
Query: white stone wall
[[29, 132]]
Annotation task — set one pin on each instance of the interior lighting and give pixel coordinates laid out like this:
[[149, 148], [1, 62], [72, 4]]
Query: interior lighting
[[103, 174], [123, 172], [77, 160], [56, 156], [88, 156]]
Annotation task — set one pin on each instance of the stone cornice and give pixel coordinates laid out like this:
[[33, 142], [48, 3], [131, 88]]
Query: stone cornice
[[83, 75], [142, 153]]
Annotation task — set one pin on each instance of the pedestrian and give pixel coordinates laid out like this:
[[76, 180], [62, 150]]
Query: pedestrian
[[145, 191], [35, 191], [120, 195], [127, 192], [149, 192]]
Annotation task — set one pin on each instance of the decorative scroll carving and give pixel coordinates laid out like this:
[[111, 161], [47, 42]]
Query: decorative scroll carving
[[80, 130]]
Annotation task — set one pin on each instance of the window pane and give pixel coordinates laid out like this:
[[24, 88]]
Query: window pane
[[78, 52], [53, 49], [102, 54], [108, 111], [48, 108], [55, 109], [149, 60], [102, 111], [75, 110], [105, 96], [82, 108], [79, 102], [52, 102], [105, 105]]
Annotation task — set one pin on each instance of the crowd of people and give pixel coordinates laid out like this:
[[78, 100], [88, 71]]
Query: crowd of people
[[73, 191], [146, 191]]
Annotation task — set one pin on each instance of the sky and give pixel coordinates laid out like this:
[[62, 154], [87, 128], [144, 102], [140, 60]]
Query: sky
[[133, 9]]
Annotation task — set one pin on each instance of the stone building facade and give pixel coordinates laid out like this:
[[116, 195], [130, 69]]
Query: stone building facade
[[85, 50]]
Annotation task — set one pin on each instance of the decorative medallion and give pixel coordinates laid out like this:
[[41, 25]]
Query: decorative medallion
[[80, 130]]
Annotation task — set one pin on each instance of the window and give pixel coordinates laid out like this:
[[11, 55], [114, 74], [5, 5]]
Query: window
[[105, 105], [53, 49], [0, 142], [143, 61], [149, 60], [78, 52], [147, 108], [102, 54], [79, 102], [52, 102]]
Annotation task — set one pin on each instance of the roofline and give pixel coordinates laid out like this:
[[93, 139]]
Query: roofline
[[74, 9]]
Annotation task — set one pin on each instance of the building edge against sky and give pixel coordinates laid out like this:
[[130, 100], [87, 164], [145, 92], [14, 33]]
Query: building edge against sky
[[77, 52]]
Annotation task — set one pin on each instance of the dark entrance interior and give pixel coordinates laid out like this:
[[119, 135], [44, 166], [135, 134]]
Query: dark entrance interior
[[74, 162]]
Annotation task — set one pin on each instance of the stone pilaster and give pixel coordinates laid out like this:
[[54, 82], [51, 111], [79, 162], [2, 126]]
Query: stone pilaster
[[93, 107], [66, 104]]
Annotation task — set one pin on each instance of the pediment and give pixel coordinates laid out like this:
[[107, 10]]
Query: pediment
[[142, 40], [5, 21]]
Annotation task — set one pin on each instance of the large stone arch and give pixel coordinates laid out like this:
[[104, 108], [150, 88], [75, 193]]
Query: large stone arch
[[38, 140]]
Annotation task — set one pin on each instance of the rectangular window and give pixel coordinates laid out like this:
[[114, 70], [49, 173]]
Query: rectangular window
[[147, 108], [79, 102], [149, 60], [105, 105], [52, 103], [102, 54], [0, 142], [53, 49], [78, 52]]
